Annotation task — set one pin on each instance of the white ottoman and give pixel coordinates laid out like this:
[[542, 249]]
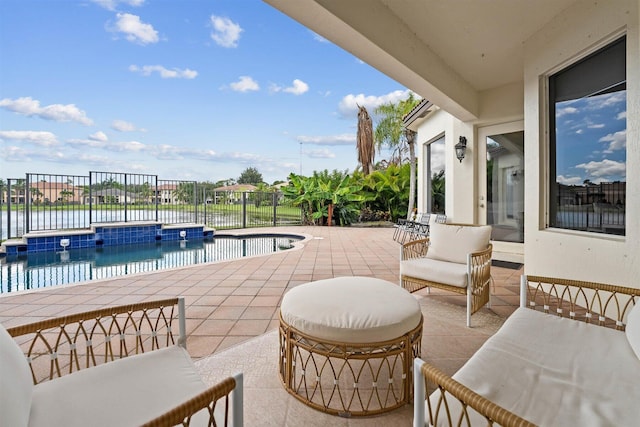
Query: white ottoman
[[347, 344]]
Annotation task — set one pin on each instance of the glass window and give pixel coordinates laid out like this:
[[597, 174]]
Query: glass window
[[588, 137], [435, 176]]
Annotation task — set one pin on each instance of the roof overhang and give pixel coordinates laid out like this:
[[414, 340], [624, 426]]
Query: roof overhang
[[449, 52]]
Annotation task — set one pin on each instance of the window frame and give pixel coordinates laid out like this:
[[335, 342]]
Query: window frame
[[548, 122]]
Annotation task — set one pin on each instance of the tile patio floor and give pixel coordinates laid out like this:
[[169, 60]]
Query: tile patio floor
[[231, 302]]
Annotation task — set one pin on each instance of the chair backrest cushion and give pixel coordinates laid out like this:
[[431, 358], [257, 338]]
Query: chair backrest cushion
[[453, 242], [16, 384]]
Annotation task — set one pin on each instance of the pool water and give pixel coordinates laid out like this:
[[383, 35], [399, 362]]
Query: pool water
[[47, 269]]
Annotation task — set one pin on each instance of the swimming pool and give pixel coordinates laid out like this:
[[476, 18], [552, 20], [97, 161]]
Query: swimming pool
[[39, 270]]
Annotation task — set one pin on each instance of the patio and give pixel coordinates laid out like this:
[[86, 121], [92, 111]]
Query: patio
[[229, 303]]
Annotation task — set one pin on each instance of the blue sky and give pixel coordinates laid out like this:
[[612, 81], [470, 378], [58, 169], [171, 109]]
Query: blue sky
[[592, 139], [183, 89]]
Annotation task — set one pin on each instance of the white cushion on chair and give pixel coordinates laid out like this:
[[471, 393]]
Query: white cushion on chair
[[449, 242], [16, 383], [448, 273], [128, 391]]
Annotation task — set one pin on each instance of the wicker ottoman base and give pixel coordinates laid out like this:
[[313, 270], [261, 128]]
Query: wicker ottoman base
[[348, 379]]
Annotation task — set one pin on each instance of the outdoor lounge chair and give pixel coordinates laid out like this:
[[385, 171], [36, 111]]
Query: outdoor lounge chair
[[455, 258], [120, 366]]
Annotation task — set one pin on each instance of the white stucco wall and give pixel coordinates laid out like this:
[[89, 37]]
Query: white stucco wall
[[587, 256], [459, 188]]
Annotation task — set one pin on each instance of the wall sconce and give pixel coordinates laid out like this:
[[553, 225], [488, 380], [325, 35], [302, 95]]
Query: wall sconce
[[461, 148]]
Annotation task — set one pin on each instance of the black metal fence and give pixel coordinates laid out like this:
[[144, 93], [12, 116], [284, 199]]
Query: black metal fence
[[599, 208], [46, 202]]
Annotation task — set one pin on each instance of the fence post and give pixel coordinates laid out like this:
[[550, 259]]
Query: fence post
[[155, 197], [275, 209], [204, 208], [27, 199], [9, 208], [125, 197], [244, 209], [195, 202]]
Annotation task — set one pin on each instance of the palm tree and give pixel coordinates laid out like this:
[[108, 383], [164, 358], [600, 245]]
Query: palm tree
[[391, 132], [364, 142]]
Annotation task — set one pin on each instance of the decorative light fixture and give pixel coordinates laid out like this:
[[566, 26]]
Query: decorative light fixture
[[461, 147]]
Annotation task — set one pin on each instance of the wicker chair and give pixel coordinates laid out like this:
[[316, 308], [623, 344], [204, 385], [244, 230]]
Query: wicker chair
[[455, 258], [124, 365]]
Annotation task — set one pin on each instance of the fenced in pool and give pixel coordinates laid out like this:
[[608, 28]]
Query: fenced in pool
[[52, 268]]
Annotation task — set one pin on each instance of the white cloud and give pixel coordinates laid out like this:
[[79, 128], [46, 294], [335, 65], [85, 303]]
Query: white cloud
[[28, 106], [580, 131], [99, 136], [348, 106], [226, 33], [617, 141], [596, 126], [606, 100], [128, 146], [123, 126], [112, 4], [604, 168], [570, 180], [298, 87], [135, 30], [165, 73], [323, 153], [566, 110], [40, 138], [245, 84], [343, 139], [622, 115]]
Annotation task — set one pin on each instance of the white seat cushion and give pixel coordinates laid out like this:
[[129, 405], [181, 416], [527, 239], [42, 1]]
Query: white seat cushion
[[555, 371], [351, 310], [16, 383], [126, 392], [450, 242], [448, 273]]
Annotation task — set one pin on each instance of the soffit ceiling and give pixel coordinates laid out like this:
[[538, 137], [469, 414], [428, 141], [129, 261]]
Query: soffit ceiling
[[482, 40]]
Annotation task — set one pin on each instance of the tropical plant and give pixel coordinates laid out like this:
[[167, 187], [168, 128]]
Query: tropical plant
[[391, 132], [437, 192], [325, 196], [391, 189], [65, 195]]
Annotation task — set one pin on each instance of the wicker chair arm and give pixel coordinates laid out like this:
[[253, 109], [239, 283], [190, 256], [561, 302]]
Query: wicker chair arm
[[208, 399], [414, 249], [439, 412], [480, 267]]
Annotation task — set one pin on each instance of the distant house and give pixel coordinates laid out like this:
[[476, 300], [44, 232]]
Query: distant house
[[52, 192], [232, 193], [166, 194]]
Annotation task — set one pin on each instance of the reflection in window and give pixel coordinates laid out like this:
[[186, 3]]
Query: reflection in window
[[588, 130], [505, 186], [435, 187]]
